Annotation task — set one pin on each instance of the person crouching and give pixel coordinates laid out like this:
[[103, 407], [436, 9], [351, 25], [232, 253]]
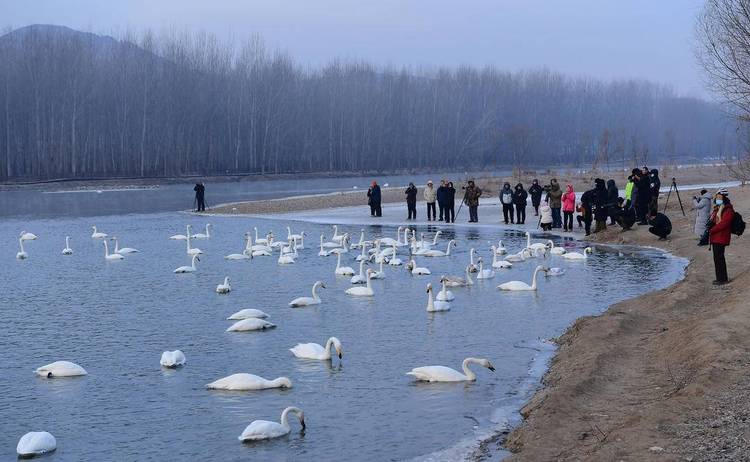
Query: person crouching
[[659, 224]]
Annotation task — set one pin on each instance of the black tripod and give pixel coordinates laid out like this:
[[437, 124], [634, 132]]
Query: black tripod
[[677, 191], [462, 203]]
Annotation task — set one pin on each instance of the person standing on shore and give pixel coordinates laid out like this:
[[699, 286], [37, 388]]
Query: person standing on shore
[[655, 186], [587, 203], [411, 201], [374, 198], [200, 196], [600, 208], [450, 207], [612, 195], [702, 206], [471, 199], [442, 193], [506, 199], [720, 234], [554, 197], [519, 202], [642, 195], [535, 191], [629, 192], [568, 207], [430, 196]]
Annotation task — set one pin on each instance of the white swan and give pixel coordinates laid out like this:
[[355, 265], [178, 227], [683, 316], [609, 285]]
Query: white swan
[[473, 268], [294, 237], [389, 241], [446, 374], [329, 244], [555, 272], [124, 250], [362, 241], [344, 246], [456, 281], [247, 313], [319, 352], [21, 255], [97, 235], [265, 430], [555, 250], [360, 278], [250, 324], [362, 291], [25, 236], [260, 241], [67, 250], [285, 259], [182, 237], [60, 369], [342, 270], [299, 243], [35, 443], [188, 269], [445, 295], [247, 382], [224, 288], [305, 301], [336, 236], [174, 358], [536, 245], [192, 250], [206, 235], [418, 271], [484, 273], [380, 274], [500, 248], [111, 256], [246, 254], [432, 305], [520, 285], [395, 261], [363, 255], [521, 256], [323, 252], [577, 255], [438, 253], [499, 264]]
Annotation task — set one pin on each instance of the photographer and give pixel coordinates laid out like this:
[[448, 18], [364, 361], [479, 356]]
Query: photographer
[[660, 224], [535, 191], [200, 196], [411, 201], [471, 199], [655, 185], [702, 206], [373, 199], [450, 206]]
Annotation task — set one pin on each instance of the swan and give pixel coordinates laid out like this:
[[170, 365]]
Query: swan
[[111, 256], [67, 250], [35, 443], [224, 288], [555, 272], [360, 278], [247, 313], [362, 291], [192, 250], [521, 256], [395, 261], [174, 358], [390, 241], [323, 252], [432, 305], [60, 369], [285, 259], [363, 255], [294, 237], [329, 244], [96, 234], [206, 235], [250, 324], [422, 244], [473, 268], [520, 285], [336, 236], [247, 382], [445, 295], [315, 351], [265, 430], [484, 273], [418, 271], [555, 250], [246, 254], [261, 253], [343, 270], [344, 246], [376, 249], [380, 274], [536, 245], [500, 249], [301, 244], [261, 241], [188, 269], [576, 255], [305, 301], [182, 237], [124, 250], [446, 374], [362, 242], [499, 264], [439, 253], [25, 236], [21, 255], [456, 281]]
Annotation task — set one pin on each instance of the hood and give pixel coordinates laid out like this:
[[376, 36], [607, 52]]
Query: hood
[[554, 186], [506, 186], [611, 184], [599, 183], [519, 186], [569, 188], [655, 172]]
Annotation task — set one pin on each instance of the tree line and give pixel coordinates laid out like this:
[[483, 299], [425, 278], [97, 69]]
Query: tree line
[[79, 105]]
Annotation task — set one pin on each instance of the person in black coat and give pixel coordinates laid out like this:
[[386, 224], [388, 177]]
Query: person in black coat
[[200, 196], [600, 205], [655, 186], [643, 196], [450, 205], [519, 201], [535, 191], [373, 198], [411, 201], [587, 205], [612, 196], [442, 198], [660, 225]]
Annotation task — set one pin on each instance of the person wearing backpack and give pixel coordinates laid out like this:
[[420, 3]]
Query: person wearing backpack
[[720, 233]]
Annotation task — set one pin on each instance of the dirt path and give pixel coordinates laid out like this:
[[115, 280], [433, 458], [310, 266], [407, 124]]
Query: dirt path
[[660, 377]]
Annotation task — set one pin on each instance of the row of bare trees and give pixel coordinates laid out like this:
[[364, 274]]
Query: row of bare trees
[[79, 105]]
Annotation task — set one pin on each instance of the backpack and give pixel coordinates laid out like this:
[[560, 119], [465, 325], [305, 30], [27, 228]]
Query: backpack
[[738, 225]]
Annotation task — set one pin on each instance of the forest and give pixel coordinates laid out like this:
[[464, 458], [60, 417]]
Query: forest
[[77, 105]]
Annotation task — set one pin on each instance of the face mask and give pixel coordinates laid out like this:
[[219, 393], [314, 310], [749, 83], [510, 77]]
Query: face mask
[[719, 201]]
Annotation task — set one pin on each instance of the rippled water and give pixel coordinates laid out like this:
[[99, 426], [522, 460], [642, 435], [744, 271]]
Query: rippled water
[[116, 318]]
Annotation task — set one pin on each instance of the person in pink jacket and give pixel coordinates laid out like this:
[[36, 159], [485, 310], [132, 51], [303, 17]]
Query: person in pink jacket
[[568, 207]]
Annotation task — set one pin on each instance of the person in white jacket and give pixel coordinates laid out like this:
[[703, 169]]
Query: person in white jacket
[[702, 206], [430, 196], [545, 220]]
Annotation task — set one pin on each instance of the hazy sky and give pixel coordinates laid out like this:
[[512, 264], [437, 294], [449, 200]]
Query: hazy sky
[[650, 39]]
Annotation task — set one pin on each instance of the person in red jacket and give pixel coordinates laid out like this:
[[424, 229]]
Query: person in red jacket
[[720, 233], [568, 207]]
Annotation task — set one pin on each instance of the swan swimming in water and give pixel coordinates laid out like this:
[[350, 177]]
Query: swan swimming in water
[[224, 288], [27, 236], [67, 250], [260, 241], [342, 270], [500, 249], [521, 256], [389, 241], [60, 369], [576, 255], [380, 274], [206, 235], [174, 358], [96, 234], [439, 253], [306, 301], [110, 256], [248, 382], [520, 285], [417, 270], [124, 250], [456, 281], [446, 374], [285, 259], [247, 313], [395, 261], [445, 295], [192, 250], [499, 264], [555, 250], [535, 246], [434, 306], [250, 324], [188, 269], [473, 268], [360, 278], [182, 237], [35, 443], [484, 273], [21, 255], [319, 352], [246, 254], [362, 291], [265, 430]]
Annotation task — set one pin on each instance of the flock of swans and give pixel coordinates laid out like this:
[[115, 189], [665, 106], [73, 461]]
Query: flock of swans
[[380, 251]]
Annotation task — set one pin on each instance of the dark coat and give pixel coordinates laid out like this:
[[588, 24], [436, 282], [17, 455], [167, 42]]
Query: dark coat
[[662, 222], [200, 191], [442, 195], [535, 191], [411, 195], [655, 183], [374, 195], [519, 196], [450, 196], [472, 196], [600, 200], [643, 194], [555, 196], [612, 194]]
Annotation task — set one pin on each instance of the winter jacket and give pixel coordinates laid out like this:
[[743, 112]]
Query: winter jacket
[[569, 199], [643, 193], [442, 195], [519, 196], [430, 194], [702, 205], [555, 196], [546, 214], [535, 191], [411, 195], [587, 202], [472, 196], [721, 232], [629, 190], [612, 194], [600, 199], [506, 195], [450, 196], [654, 183], [374, 195], [662, 222]]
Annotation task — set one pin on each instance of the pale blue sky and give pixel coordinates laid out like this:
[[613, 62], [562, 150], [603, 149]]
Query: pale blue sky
[[649, 39]]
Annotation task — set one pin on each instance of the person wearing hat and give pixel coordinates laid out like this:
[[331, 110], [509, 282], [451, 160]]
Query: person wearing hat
[[471, 199], [373, 199], [702, 206], [720, 233], [411, 201], [430, 196], [442, 198]]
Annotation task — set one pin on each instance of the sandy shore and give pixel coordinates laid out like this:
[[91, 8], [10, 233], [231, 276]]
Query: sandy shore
[[659, 377]]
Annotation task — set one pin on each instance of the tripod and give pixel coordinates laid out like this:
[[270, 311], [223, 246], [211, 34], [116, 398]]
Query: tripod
[[462, 204], [677, 191]]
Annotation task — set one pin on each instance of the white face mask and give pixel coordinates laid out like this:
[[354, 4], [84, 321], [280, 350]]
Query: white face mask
[[719, 201]]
